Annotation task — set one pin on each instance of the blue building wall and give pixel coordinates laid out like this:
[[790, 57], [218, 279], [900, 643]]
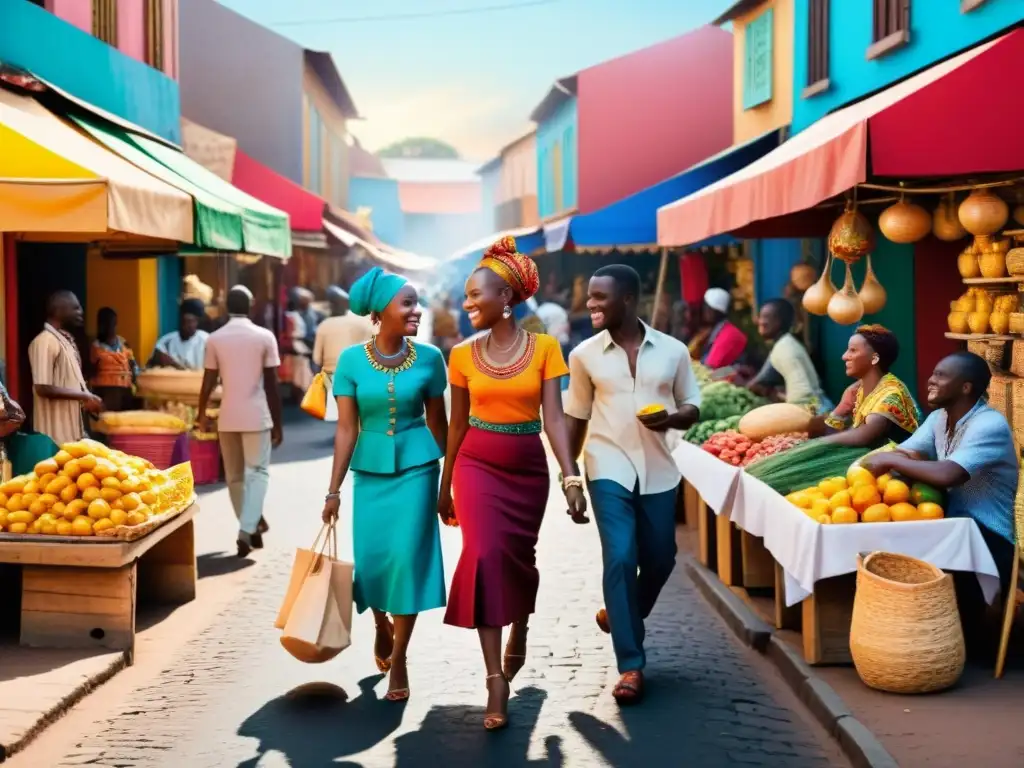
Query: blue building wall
[[89, 69], [561, 129], [441, 234], [490, 179], [773, 262], [938, 29], [381, 197]]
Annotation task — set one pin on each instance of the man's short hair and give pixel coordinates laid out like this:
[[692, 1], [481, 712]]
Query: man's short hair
[[974, 370], [784, 310], [626, 279]]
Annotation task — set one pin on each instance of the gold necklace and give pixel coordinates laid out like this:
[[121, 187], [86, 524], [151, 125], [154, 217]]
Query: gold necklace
[[405, 365]]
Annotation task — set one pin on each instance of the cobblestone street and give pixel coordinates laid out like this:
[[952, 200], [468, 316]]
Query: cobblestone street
[[231, 696]]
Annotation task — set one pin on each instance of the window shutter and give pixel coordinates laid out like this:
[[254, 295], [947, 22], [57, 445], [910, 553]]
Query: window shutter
[[757, 65]]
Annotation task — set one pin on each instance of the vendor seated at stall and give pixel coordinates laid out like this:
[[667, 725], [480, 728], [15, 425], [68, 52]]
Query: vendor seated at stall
[[184, 348], [966, 447], [114, 370], [877, 407], [788, 366], [724, 343]]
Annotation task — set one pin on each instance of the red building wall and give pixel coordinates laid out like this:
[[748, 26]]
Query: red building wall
[[653, 113], [936, 283]]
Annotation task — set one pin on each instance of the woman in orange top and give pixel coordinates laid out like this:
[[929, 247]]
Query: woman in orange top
[[114, 369], [496, 460]]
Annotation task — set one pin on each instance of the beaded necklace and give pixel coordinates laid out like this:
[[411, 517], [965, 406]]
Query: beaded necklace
[[519, 363], [405, 365]]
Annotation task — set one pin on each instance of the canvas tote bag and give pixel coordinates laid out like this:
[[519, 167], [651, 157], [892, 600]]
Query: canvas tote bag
[[318, 614]]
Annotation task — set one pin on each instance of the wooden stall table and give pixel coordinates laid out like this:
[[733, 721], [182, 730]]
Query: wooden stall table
[[82, 592]]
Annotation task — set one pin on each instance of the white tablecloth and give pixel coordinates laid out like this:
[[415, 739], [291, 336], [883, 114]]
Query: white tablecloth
[[809, 551], [715, 480]]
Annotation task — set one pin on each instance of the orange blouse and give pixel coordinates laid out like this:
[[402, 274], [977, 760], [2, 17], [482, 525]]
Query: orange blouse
[[514, 400]]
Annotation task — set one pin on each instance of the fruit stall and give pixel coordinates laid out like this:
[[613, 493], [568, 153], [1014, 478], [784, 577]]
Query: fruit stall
[[94, 530]]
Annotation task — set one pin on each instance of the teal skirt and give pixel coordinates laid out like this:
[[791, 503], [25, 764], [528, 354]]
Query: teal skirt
[[396, 541]]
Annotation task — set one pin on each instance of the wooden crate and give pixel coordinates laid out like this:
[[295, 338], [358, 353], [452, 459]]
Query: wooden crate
[[83, 593]]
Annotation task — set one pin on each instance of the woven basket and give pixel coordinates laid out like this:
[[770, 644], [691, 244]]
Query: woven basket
[[1000, 395], [158, 449], [1017, 358], [1017, 323], [905, 636], [205, 458]]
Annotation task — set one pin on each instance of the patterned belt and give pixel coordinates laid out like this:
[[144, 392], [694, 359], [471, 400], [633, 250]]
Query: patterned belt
[[522, 428]]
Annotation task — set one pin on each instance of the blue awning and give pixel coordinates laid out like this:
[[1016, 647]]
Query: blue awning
[[633, 221]]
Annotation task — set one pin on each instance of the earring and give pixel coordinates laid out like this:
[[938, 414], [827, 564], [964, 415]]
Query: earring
[[506, 312], [874, 360]]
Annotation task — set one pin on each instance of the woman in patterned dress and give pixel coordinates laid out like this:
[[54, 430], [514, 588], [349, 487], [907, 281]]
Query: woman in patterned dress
[[878, 407], [496, 467]]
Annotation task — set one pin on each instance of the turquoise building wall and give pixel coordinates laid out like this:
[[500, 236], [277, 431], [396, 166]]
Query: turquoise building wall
[[562, 128], [938, 29]]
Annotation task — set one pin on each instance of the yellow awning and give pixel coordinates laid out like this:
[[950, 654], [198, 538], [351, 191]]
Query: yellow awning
[[55, 179]]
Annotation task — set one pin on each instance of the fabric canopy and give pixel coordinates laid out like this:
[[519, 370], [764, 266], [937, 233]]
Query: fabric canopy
[[400, 261], [633, 221], [305, 209], [528, 239], [831, 156], [54, 179]]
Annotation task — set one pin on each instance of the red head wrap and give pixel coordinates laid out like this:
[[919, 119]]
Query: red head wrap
[[516, 269]]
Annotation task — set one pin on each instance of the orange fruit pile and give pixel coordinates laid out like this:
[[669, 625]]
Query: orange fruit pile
[[860, 497]]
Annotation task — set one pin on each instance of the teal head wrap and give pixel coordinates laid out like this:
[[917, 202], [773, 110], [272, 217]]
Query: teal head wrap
[[374, 291]]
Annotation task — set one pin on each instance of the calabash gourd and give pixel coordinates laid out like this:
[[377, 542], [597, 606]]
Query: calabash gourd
[[872, 293], [816, 297], [845, 306]]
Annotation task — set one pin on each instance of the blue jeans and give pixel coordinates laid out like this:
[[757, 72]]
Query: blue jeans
[[638, 533]]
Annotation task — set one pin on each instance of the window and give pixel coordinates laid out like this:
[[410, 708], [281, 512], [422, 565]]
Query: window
[[891, 26], [817, 48], [155, 33], [757, 61], [104, 21], [556, 162]]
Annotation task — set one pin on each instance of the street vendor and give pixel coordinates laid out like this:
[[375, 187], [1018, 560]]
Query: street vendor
[[185, 348], [725, 343], [114, 370], [967, 447], [789, 365], [878, 406]]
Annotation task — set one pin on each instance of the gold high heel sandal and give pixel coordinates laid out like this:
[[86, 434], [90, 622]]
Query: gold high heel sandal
[[398, 694], [384, 665], [495, 721], [512, 663]]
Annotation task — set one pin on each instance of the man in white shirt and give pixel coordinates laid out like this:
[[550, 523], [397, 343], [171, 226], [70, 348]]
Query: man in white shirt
[[334, 335], [184, 348], [631, 475]]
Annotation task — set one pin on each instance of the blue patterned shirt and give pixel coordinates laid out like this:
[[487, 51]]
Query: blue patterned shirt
[[983, 446]]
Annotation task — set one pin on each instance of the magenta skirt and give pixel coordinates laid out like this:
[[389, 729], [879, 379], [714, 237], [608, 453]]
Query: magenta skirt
[[501, 485]]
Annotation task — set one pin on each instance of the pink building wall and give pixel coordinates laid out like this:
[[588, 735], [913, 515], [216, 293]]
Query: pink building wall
[[653, 113], [131, 27], [77, 12]]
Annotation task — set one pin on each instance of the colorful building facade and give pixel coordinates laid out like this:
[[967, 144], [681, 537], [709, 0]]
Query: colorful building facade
[[557, 150]]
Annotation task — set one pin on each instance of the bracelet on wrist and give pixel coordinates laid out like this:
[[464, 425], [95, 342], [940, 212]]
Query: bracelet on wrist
[[332, 495], [573, 481]]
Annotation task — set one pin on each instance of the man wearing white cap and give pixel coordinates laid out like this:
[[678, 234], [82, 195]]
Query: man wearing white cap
[[726, 342]]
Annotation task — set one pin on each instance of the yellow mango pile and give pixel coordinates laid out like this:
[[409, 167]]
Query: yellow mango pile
[[860, 497], [85, 489]]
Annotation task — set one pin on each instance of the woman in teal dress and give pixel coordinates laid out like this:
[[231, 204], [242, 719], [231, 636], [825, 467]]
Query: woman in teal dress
[[391, 424]]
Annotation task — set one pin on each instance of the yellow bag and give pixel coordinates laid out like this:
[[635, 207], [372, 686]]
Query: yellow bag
[[314, 402]]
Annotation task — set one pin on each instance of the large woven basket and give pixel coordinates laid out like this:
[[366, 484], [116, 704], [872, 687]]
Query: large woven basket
[[1000, 394], [905, 636]]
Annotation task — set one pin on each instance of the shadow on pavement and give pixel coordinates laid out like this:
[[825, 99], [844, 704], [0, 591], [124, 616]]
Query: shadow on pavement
[[305, 438], [455, 735], [313, 726], [221, 564]]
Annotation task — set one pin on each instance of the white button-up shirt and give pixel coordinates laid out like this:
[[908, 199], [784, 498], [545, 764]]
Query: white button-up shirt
[[603, 391]]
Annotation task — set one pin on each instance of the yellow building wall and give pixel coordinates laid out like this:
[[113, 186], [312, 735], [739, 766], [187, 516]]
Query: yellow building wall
[[332, 140], [129, 286], [777, 113]]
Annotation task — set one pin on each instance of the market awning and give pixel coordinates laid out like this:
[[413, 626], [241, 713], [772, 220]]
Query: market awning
[[928, 125], [528, 240], [54, 179], [305, 209], [632, 223], [400, 261]]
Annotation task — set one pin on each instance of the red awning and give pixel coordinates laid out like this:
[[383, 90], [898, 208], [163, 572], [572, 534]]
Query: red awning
[[304, 209], [932, 124]]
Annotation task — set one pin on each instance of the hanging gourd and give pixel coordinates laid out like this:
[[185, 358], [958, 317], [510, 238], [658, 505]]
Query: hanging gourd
[[983, 212], [946, 224], [802, 276], [1018, 214], [852, 236], [816, 297], [872, 292], [845, 306], [904, 222]]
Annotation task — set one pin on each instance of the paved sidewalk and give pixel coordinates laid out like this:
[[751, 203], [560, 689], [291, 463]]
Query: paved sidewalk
[[231, 696]]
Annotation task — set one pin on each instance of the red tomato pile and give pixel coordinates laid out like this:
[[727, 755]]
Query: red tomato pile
[[772, 445], [738, 450]]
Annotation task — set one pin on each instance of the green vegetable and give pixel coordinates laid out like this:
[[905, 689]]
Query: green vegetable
[[805, 465]]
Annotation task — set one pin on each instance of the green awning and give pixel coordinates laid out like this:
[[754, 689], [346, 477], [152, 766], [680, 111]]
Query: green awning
[[226, 218]]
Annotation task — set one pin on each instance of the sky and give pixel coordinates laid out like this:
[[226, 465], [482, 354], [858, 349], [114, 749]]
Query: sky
[[468, 72]]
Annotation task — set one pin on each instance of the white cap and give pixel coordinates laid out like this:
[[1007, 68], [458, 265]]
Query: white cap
[[718, 298]]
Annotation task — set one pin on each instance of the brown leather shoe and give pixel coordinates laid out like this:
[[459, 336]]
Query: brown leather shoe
[[602, 621]]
